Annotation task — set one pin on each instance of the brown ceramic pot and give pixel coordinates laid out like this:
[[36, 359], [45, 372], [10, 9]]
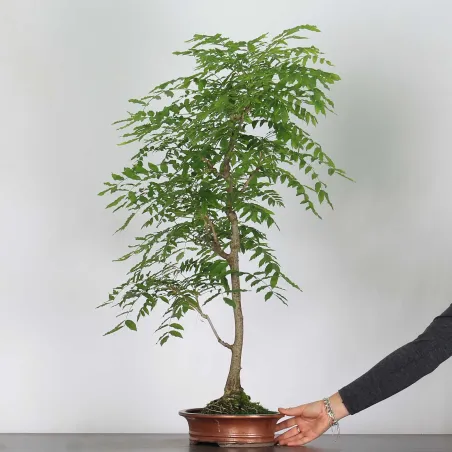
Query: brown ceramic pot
[[226, 430]]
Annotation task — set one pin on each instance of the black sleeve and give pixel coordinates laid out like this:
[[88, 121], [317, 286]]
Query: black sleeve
[[403, 367]]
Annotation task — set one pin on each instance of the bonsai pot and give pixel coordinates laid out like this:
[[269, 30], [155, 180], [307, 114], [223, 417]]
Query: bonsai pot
[[255, 430]]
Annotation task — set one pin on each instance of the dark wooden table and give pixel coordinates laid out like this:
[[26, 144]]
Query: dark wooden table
[[179, 443]]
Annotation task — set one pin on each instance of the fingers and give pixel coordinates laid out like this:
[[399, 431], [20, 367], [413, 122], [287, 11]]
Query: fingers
[[289, 435], [286, 424], [292, 411], [299, 441]]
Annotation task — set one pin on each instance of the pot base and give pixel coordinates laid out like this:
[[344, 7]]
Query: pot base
[[234, 445], [257, 430]]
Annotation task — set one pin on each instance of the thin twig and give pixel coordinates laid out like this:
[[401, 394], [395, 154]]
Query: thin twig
[[216, 243], [206, 317]]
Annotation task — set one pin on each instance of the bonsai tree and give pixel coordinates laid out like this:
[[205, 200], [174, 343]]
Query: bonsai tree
[[214, 147]]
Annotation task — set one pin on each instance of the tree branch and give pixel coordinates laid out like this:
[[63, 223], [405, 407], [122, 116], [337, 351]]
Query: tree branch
[[216, 243], [206, 317]]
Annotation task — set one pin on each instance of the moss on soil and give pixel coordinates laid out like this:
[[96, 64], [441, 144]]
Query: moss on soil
[[237, 403]]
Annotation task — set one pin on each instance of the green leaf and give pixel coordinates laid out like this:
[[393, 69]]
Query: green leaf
[[164, 340], [230, 302], [130, 174], [117, 177], [140, 169], [202, 83], [153, 167], [137, 101], [132, 196], [175, 333], [274, 280], [116, 328], [218, 268], [180, 256], [116, 201], [102, 193], [176, 326], [131, 325], [251, 47], [164, 167], [126, 223], [268, 295]]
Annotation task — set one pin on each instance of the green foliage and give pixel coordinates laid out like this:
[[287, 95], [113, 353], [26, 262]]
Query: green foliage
[[226, 138]]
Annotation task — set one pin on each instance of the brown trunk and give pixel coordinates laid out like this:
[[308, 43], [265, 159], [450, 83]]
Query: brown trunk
[[233, 384]]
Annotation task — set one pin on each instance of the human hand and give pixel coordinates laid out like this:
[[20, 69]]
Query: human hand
[[308, 422]]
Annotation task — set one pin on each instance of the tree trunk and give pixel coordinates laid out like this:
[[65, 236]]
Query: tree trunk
[[233, 384]]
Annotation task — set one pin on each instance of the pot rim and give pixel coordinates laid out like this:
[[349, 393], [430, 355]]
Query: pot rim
[[194, 413]]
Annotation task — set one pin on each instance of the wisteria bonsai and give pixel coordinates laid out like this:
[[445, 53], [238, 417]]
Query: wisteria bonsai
[[212, 150]]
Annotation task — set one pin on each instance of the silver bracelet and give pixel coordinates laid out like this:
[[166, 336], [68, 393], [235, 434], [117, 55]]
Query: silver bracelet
[[334, 423]]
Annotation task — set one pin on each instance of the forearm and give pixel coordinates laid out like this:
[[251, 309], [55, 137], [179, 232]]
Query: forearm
[[337, 405], [401, 368]]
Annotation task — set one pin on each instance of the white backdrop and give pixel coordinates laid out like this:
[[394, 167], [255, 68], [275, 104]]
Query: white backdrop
[[374, 272]]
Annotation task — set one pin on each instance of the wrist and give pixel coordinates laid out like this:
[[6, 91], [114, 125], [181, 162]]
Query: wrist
[[337, 405]]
